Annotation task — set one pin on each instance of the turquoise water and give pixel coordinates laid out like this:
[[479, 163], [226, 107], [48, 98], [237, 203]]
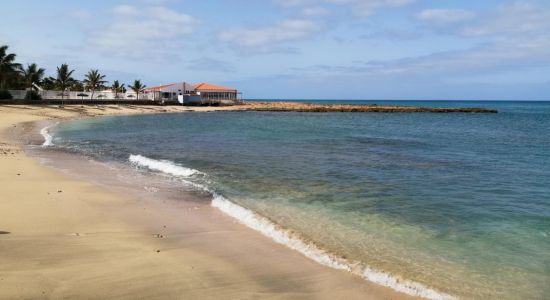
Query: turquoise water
[[457, 202]]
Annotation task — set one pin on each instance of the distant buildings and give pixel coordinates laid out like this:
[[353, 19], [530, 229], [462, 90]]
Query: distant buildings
[[185, 93], [209, 91], [180, 92]]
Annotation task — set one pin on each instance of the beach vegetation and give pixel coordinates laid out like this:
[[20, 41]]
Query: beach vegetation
[[78, 86], [5, 95], [94, 81], [137, 87], [48, 83], [64, 79], [118, 88], [8, 67], [32, 95], [32, 75], [32, 78]]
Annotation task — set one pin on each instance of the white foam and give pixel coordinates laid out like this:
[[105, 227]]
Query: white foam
[[197, 186], [281, 236], [164, 166], [48, 138], [285, 237]]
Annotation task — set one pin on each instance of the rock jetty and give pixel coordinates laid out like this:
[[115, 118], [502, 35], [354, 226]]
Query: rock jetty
[[316, 107]]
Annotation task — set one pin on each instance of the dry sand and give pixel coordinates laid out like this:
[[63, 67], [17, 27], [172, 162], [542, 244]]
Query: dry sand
[[65, 237]]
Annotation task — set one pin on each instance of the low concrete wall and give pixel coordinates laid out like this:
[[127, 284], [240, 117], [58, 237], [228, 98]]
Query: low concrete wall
[[98, 95], [107, 102], [77, 102]]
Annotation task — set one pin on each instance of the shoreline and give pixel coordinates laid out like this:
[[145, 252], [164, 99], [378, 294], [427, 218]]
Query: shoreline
[[240, 256]]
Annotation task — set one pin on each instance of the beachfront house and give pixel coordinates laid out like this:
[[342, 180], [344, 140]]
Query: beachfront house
[[173, 92], [200, 93], [215, 93]]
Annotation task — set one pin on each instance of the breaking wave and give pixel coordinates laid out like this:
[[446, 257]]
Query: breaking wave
[[288, 238], [313, 252], [164, 166], [48, 138]]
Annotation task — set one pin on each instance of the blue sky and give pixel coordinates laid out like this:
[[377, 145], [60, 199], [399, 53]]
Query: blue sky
[[321, 49]]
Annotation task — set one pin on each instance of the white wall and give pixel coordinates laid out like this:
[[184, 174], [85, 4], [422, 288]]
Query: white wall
[[20, 94]]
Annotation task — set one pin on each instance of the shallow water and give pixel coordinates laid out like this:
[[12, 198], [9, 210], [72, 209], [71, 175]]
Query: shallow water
[[457, 202]]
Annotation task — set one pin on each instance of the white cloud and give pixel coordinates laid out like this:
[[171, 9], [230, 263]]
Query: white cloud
[[369, 7], [516, 38], [517, 19], [358, 7], [392, 35], [314, 11], [294, 3], [210, 64], [126, 10], [263, 38], [80, 14], [271, 38], [486, 59], [137, 32], [445, 16]]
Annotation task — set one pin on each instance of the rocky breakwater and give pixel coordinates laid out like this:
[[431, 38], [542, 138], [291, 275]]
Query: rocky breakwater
[[315, 107]]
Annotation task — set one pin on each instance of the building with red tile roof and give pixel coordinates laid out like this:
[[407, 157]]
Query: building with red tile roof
[[159, 88], [204, 86], [209, 92], [170, 92], [204, 93]]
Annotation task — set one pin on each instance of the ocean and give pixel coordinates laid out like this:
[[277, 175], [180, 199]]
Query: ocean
[[436, 205]]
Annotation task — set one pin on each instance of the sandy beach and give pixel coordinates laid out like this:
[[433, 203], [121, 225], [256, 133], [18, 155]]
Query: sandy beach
[[66, 235]]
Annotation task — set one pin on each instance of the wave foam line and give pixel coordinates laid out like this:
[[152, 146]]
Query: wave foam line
[[48, 138], [164, 166], [311, 251]]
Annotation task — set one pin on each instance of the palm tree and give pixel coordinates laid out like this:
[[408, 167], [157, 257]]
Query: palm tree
[[8, 67], [117, 88], [94, 81], [137, 87], [64, 79], [32, 75]]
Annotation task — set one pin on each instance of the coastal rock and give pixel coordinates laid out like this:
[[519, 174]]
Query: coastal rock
[[314, 107]]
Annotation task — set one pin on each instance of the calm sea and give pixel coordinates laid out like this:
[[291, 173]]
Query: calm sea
[[445, 204]]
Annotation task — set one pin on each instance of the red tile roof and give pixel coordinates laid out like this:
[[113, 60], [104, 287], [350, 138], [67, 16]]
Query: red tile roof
[[211, 87], [157, 88]]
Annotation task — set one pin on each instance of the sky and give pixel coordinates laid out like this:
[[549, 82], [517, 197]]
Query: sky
[[297, 49]]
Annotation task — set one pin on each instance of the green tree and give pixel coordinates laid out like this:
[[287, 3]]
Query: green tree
[[64, 79], [48, 83], [94, 81], [117, 88], [137, 87], [77, 86], [32, 74], [8, 67]]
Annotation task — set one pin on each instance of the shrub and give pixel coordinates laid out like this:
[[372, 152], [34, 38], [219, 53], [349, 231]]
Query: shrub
[[5, 95], [32, 95]]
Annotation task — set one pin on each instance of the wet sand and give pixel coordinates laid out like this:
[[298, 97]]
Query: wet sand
[[74, 228]]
